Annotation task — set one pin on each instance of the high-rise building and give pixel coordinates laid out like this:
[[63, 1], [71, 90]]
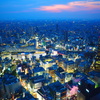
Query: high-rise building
[[97, 58], [65, 36], [0, 40], [86, 87]]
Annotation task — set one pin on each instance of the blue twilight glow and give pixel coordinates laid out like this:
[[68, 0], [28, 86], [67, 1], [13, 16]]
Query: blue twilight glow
[[49, 9]]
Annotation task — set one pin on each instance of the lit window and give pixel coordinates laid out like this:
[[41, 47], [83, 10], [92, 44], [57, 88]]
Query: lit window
[[87, 90], [9, 69], [79, 83]]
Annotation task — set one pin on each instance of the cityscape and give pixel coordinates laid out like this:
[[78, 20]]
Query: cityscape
[[49, 58]]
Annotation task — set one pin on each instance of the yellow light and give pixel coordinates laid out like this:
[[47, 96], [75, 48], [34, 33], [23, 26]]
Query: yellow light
[[48, 60]]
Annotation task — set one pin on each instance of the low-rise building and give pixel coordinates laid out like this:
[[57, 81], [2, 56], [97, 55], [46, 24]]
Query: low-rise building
[[38, 71], [58, 90], [36, 82]]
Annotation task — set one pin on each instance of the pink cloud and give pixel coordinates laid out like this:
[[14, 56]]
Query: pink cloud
[[72, 6]]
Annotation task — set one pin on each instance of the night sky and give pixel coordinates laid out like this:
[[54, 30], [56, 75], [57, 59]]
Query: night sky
[[49, 9]]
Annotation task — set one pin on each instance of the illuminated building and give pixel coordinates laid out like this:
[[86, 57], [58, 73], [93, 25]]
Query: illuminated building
[[48, 79], [48, 63], [68, 77], [37, 44], [22, 40], [70, 66], [36, 82], [79, 74], [52, 70], [96, 64], [31, 42], [54, 53], [38, 53], [87, 88], [38, 71], [61, 62], [10, 84], [53, 91], [60, 75], [95, 77], [24, 66], [58, 90], [19, 68], [45, 93], [84, 66]]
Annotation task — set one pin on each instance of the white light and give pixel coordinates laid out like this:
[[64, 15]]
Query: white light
[[23, 57], [90, 47], [87, 90], [30, 56], [54, 53], [23, 94], [19, 68], [79, 83], [47, 62], [22, 53], [9, 69]]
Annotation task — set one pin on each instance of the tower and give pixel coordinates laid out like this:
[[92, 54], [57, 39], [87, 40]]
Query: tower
[[65, 36], [97, 58], [0, 40], [57, 28], [37, 44]]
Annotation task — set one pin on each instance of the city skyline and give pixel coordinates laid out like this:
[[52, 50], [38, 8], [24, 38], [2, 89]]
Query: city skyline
[[60, 9], [50, 50]]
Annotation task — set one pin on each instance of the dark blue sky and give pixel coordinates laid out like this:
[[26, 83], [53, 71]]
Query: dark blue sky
[[49, 9]]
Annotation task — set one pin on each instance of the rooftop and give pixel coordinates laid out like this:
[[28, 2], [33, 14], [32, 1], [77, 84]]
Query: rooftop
[[94, 73], [45, 92], [53, 67], [60, 75], [38, 69], [27, 96], [37, 79], [57, 87]]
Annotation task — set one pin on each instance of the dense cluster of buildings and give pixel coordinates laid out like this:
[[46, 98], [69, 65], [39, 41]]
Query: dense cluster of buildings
[[45, 68]]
